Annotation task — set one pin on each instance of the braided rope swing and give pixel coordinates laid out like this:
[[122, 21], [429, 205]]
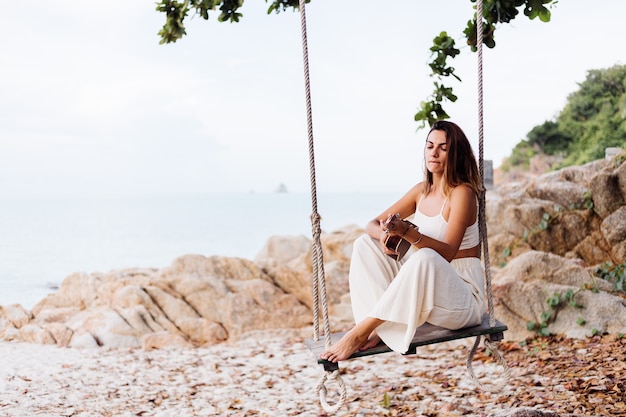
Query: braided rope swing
[[318, 278], [482, 221]]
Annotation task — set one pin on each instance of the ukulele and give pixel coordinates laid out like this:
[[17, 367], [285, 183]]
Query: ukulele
[[397, 243]]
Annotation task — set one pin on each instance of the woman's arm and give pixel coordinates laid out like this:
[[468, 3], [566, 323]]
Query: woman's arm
[[462, 213], [405, 206]]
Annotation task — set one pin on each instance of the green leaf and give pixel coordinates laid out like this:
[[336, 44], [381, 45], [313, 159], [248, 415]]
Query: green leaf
[[554, 300], [386, 403]]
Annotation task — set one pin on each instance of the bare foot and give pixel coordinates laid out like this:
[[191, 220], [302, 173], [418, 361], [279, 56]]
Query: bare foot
[[356, 337], [345, 347], [372, 341]]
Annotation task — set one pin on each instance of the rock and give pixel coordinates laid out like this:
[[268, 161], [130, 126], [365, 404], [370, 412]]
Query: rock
[[197, 299], [343, 310], [529, 412], [15, 314], [564, 193], [283, 249], [8, 332], [620, 172], [201, 331], [614, 231], [61, 334], [163, 340], [554, 212], [235, 293], [56, 315], [606, 193], [141, 319], [135, 304], [32, 333], [593, 249], [523, 287], [83, 339], [292, 281], [106, 327], [593, 313]]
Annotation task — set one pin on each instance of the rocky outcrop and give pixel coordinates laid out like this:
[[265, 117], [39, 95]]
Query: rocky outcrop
[[196, 301], [576, 212], [546, 237], [538, 287]]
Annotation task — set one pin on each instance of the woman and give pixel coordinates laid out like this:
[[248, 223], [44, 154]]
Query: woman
[[440, 280]]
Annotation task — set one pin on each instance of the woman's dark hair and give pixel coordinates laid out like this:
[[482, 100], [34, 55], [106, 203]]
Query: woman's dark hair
[[461, 165]]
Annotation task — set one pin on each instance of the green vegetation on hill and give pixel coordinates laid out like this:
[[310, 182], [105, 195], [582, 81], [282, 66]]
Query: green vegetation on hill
[[593, 119]]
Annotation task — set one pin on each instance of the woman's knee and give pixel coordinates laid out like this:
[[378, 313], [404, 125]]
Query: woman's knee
[[425, 256], [364, 243]]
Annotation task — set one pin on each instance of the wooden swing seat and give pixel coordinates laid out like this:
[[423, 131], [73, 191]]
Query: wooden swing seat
[[424, 335]]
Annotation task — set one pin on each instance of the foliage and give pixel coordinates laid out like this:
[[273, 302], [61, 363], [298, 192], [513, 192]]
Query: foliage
[[594, 115], [593, 119], [555, 302], [494, 12], [620, 158], [431, 110], [588, 200], [549, 138], [176, 12], [615, 274], [520, 156], [386, 402]]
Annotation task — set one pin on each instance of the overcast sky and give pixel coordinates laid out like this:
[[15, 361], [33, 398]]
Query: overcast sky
[[92, 104]]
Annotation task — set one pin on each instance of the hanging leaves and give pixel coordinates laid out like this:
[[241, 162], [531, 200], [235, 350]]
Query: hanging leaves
[[431, 110], [494, 12], [176, 12]]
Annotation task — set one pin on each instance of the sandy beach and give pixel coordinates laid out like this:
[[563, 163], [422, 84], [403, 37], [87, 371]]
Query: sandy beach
[[275, 375]]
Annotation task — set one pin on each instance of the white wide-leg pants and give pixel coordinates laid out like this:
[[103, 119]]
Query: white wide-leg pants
[[422, 287]]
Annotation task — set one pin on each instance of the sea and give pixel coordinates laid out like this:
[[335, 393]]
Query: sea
[[43, 240]]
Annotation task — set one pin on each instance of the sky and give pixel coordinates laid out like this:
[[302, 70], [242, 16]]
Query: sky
[[92, 104]]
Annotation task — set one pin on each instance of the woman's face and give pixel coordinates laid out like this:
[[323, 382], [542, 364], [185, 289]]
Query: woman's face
[[436, 152]]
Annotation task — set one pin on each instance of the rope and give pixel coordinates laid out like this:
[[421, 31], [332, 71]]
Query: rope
[[499, 359], [321, 390], [319, 280], [482, 218], [482, 205]]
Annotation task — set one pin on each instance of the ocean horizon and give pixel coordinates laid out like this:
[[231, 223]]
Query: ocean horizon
[[46, 239]]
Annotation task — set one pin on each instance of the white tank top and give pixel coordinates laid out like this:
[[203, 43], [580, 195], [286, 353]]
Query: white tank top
[[435, 227]]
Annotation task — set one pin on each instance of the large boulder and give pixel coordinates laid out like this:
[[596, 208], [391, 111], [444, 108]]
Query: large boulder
[[528, 288], [294, 273], [576, 212], [613, 229]]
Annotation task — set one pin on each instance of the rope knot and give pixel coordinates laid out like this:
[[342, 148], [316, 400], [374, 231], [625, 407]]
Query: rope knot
[[322, 391], [493, 348]]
